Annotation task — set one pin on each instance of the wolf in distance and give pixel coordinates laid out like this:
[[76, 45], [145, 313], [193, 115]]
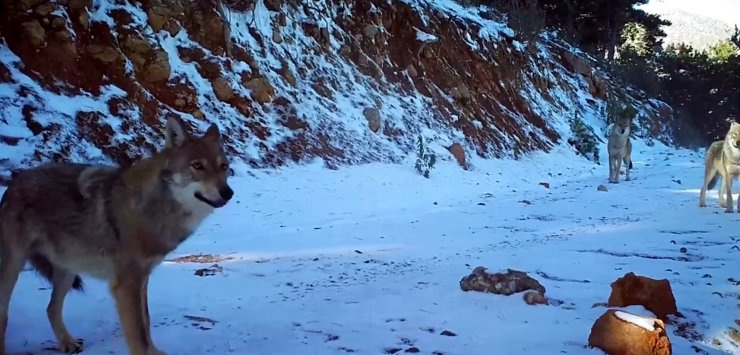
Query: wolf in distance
[[723, 158], [111, 223], [619, 148]]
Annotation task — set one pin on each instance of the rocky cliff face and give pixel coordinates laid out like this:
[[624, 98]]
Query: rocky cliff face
[[348, 81]]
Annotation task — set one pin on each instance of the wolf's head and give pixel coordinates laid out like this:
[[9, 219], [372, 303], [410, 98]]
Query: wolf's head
[[733, 135], [196, 167], [622, 126]]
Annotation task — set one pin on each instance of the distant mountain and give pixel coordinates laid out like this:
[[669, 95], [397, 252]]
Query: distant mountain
[[699, 31]]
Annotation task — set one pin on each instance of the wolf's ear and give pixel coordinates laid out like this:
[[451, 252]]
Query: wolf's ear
[[213, 133], [175, 132]]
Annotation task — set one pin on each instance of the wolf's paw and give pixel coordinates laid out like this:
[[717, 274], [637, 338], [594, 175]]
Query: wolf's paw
[[71, 346], [723, 204], [702, 204], [729, 210]]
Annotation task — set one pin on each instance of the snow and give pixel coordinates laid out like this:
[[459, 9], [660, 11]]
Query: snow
[[647, 323], [422, 36], [368, 258]]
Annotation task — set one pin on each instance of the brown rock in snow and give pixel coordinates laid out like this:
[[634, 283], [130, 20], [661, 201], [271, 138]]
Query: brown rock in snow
[[458, 152], [655, 295], [621, 333]]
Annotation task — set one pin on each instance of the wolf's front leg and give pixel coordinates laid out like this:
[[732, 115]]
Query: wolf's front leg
[[126, 289], [147, 322], [728, 191]]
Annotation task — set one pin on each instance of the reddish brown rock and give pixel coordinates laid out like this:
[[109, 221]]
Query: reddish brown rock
[[158, 68], [273, 5], [222, 89], [288, 75], [655, 295], [262, 90], [458, 152], [103, 53], [621, 333], [44, 10], [34, 34], [576, 63]]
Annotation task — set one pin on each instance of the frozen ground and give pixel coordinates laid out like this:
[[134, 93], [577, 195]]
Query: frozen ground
[[367, 260]]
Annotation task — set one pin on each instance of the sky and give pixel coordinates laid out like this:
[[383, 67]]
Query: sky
[[727, 11]]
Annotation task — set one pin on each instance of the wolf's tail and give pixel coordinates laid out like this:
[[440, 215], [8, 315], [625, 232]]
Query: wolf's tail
[[713, 182], [46, 269]]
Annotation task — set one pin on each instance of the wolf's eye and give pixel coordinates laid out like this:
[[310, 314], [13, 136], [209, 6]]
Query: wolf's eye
[[197, 165]]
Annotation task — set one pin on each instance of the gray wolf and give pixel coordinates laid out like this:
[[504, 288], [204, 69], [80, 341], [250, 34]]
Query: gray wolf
[[112, 223], [723, 157], [619, 149]]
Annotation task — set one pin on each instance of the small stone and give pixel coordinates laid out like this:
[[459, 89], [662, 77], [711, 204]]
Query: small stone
[[602, 188], [533, 297]]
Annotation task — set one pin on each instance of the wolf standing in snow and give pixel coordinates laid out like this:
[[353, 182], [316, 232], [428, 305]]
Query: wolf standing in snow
[[723, 157], [620, 149], [112, 223]]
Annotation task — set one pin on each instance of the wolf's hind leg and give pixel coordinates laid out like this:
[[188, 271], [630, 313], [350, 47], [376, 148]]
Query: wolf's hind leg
[[62, 281]]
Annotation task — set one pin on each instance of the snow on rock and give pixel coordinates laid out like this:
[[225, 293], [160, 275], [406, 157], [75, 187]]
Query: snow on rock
[[649, 324]]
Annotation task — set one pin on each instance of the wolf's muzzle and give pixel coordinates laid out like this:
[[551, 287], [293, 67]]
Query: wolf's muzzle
[[226, 193]]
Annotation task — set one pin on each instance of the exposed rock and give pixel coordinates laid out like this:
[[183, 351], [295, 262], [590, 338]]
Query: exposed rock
[[600, 88], [576, 63], [276, 36], [28, 4], [371, 30], [412, 71], [78, 5], [510, 282], [618, 332], [84, 20], [65, 41], [158, 69], [372, 115], [262, 90], [223, 90], [57, 22], [545, 185], [137, 44], [462, 94], [288, 75], [156, 19], [602, 188], [533, 297], [103, 53], [274, 5], [655, 295], [45, 9], [458, 152], [34, 34]]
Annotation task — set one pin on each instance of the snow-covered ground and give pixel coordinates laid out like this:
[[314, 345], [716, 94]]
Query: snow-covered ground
[[368, 259]]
